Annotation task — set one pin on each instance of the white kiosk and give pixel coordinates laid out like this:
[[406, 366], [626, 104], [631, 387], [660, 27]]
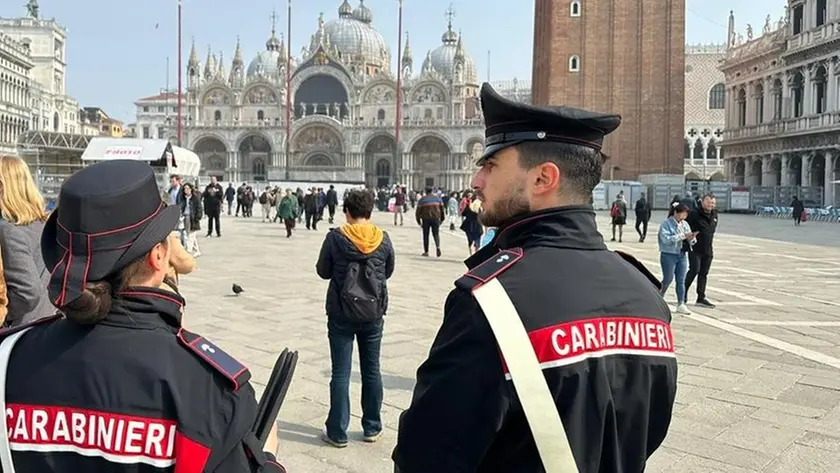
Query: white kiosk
[[164, 158]]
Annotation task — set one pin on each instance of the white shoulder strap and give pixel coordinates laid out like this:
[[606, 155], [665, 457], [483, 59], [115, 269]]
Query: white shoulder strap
[[537, 402], [5, 353]]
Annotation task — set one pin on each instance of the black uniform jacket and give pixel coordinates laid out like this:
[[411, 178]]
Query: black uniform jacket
[[134, 393], [705, 223], [600, 330]]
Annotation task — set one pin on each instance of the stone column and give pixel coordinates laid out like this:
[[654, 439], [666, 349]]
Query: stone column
[[749, 119], [705, 154], [785, 170], [831, 86], [787, 102], [768, 177], [808, 96], [828, 194], [806, 169]]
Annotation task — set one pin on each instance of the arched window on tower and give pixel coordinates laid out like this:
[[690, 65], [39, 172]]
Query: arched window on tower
[[380, 115], [574, 64], [260, 115], [717, 97], [574, 8], [217, 116]]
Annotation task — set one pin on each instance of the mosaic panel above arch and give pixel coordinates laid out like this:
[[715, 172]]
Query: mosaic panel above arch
[[318, 138]]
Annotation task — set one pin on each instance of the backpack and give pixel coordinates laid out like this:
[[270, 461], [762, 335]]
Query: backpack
[[264, 198], [614, 210], [361, 293]]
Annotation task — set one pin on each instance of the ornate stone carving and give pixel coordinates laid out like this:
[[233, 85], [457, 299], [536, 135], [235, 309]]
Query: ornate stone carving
[[318, 138], [217, 97], [261, 95], [427, 93], [380, 94]]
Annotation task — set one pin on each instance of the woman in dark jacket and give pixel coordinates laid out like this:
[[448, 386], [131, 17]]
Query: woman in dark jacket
[[192, 213], [471, 226]]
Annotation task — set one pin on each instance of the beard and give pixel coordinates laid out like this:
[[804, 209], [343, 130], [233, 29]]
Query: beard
[[512, 203]]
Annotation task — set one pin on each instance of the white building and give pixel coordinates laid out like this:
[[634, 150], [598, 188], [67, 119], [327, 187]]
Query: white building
[[782, 100], [704, 111], [15, 65], [343, 92], [52, 108], [156, 116]]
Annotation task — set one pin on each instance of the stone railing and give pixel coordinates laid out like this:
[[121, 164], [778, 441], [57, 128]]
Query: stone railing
[[809, 123]]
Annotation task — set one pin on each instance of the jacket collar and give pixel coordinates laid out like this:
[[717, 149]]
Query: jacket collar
[[572, 227], [146, 308]]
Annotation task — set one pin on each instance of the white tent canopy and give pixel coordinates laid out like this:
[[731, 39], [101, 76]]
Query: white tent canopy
[[160, 153]]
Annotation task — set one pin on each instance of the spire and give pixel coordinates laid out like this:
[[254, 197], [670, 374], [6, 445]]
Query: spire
[[209, 64], [220, 72], [273, 44], [730, 31], [237, 55], [345, 10], [459, 49], [449, 37], [282, 49], [192, 64], [406, 57], [363, 13]]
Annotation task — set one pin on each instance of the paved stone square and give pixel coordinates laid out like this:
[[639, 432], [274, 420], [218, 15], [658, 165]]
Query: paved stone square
[[759, 386]]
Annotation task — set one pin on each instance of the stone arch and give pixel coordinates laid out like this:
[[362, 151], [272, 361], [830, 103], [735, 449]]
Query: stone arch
[[698, 151], [319, 159], [56, 122], [379, 91], [428, 91], [250, 133], [797, 82], [717, 177], [740, 171], [380, 146], [433, 134], [817, 171], [776, 168], [212, 151], [795, 170], [304, 74], [254, 148], [429, 153], [693, 176], [755, 172], [471, 141], [260, 94], [322, 94], [217, 95]]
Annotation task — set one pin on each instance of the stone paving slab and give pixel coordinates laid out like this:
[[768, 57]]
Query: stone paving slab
[[743, 405]]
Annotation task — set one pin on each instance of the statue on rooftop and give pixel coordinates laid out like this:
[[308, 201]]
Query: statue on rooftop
[[32, 8]]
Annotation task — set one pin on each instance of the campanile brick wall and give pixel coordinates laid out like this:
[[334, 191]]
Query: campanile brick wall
[[632, 62]]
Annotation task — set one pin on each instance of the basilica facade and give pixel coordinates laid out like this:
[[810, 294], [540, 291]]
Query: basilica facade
[[344, 110]]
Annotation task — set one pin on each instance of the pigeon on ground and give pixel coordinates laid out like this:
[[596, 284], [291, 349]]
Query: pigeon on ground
[[237, 289]]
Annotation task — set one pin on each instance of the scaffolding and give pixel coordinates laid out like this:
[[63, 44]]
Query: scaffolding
[[52, 157]]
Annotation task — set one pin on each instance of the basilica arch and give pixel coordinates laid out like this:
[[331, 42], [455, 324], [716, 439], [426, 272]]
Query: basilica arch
[[212, 152], [317, 145], [322, 94], [429, 154], [254, 157], [379, 160]]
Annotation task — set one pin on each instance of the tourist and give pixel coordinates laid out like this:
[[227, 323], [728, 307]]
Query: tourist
[[357, 258], [618, 213], [675, 240], [212, 201], [288, 211], [191, 212], [704, 220], [430, 214], [642, 209]]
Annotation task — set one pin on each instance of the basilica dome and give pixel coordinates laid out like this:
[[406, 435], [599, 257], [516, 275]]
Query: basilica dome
[[442, 58], [266, 62], [353, 34]]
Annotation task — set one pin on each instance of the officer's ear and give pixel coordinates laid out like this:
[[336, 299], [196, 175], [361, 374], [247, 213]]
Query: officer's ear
[[546, 178]]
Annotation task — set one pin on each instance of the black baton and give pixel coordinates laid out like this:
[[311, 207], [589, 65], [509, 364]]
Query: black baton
[[274, 394]]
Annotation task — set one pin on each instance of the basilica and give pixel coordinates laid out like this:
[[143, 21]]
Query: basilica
[[344, 110]]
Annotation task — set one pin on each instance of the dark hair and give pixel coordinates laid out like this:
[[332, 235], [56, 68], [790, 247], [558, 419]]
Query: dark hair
[[677, 208], [580, 166], [428, 190], [709, 195], [94, 305], [358, 203]]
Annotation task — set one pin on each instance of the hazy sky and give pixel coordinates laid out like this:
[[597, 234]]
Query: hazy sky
[[117, 50]]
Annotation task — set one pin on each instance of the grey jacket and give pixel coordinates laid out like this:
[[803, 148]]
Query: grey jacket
[[26, 276]]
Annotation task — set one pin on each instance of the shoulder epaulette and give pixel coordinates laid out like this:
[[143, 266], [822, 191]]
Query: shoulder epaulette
[[45, 320], [208, 351], [489, 269], [642, 269]]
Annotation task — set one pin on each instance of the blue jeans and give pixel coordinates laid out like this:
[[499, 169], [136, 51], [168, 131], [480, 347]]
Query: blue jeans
[[674, 266], [369, 337]]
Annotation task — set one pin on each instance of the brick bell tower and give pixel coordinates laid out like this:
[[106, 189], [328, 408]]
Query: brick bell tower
[[622, 56]]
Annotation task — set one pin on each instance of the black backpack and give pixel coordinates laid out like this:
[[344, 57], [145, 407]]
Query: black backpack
[[264, 198], [361, 293]]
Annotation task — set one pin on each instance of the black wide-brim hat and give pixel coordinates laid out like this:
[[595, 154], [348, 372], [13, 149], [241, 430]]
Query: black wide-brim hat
[[108, 215]]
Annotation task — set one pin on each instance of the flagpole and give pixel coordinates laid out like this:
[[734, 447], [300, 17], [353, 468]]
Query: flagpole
[[288, 89], [397, 151], [180, 72]]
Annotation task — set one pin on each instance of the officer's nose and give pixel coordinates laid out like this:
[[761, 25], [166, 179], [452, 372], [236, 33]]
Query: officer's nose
[[478, 180]]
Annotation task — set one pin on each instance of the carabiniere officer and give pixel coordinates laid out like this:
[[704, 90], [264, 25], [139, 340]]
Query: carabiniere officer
[[595, 318]]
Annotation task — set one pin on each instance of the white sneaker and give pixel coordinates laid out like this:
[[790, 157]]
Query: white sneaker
[[683, 309], [196, 254]]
